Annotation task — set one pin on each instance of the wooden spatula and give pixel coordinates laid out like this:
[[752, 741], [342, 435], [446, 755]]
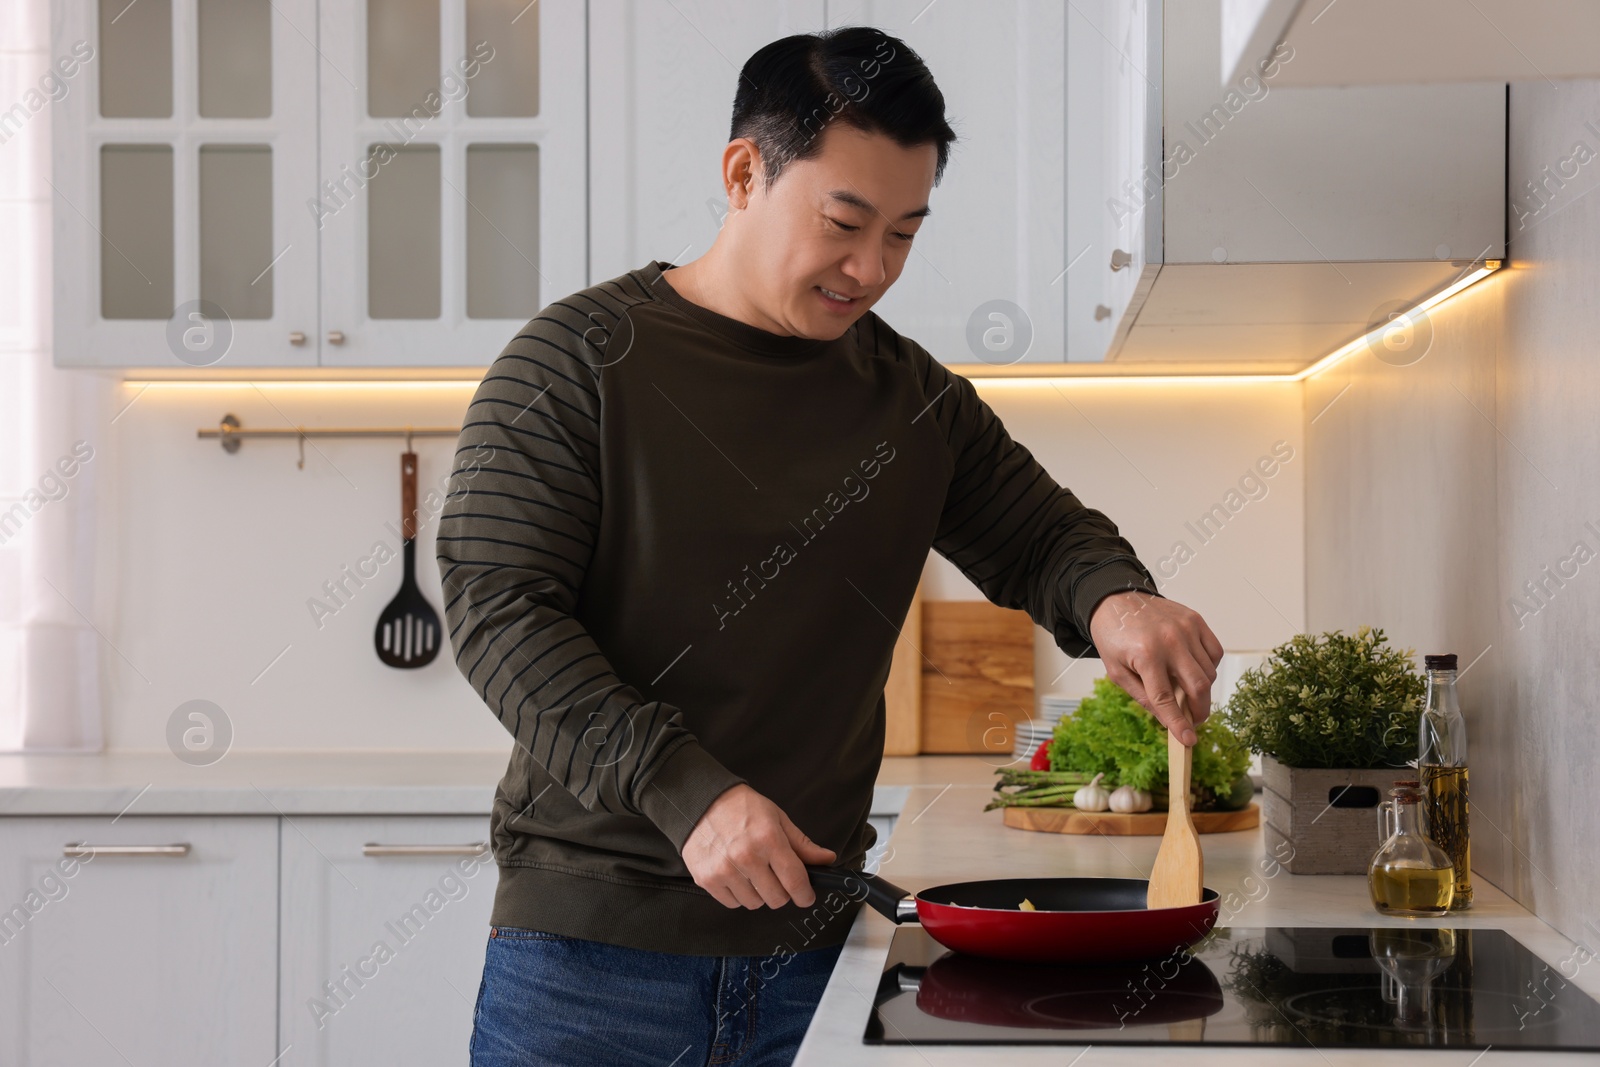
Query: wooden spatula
[[1178, 878]]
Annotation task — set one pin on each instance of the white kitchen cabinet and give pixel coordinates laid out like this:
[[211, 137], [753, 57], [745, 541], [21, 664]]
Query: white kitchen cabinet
[[1113, 140], [884, 824], [1295, 220], [450, 190], [1109, 198], [183, 151], [996, 232], [661, 83], [251, 938], [361, 185], [159, 949], [1375, 42], [384, 924], [982, 288], [281, 184]]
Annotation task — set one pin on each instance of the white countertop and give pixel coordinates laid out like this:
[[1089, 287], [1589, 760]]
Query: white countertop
[[943, 835], [285, 783]]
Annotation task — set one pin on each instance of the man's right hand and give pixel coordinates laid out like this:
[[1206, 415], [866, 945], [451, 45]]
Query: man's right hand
[[745, 852]]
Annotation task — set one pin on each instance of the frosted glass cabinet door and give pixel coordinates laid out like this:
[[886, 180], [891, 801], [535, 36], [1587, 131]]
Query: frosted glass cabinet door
[[451, 193], [184, 154]]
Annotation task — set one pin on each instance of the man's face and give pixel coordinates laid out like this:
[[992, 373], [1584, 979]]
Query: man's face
[[842, 222]]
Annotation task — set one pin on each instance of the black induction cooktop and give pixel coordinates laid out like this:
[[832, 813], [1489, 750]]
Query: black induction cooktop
[[1324, 987]]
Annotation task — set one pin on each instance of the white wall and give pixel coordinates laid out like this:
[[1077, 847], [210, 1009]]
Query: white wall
[[216, 555], [1157, 459], [219, 554], [1440, 489]]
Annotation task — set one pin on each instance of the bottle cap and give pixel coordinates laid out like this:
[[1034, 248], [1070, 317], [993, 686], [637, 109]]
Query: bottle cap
[[1440, 663], [1409, 784]]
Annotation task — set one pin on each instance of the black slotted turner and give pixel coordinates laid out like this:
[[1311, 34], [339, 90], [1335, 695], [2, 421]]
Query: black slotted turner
[[408, 630]]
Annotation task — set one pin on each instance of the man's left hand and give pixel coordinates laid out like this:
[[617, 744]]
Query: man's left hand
[[1147, 644]]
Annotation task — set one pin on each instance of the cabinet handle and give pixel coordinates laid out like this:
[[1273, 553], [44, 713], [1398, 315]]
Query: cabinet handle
[[336, 337], [474, 849], [1101, 313], [1120, 259], [297, 338], [83, 848]]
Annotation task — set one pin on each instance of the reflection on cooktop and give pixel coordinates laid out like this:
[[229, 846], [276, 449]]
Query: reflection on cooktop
[[1324, 987]]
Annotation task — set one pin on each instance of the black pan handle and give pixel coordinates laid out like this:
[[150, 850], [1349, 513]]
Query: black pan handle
[[886, 898]]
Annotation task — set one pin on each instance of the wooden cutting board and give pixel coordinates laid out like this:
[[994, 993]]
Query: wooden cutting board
[[977, 676], [902, 693], [1115, 824]]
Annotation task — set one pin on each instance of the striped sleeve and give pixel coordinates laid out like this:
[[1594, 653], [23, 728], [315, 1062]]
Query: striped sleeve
[[515, 539], [1020, 537]]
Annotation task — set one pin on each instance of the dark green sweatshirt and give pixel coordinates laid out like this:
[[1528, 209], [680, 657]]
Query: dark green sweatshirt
[[676, 554]]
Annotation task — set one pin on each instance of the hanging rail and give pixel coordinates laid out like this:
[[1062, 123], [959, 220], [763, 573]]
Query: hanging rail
[[232, 432]]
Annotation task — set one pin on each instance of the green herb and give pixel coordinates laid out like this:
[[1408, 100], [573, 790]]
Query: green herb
[[1337, 700], [1112, 734]]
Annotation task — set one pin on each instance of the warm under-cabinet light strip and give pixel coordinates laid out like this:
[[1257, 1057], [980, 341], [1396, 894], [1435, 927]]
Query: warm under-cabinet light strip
[[306, 383], [1326, 363], [1322, 365], [1339, 355]]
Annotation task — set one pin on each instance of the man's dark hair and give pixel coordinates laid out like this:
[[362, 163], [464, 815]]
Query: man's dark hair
[[791, 89]]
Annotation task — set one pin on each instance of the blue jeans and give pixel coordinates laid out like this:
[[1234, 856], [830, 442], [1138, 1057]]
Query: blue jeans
[[562, 1001]]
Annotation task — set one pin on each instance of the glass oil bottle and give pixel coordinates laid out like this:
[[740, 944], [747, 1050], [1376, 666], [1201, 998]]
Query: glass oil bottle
[[1409, 875], [1442, 766]]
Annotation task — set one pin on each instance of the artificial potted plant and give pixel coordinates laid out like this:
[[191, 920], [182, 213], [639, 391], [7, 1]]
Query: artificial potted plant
[[1335, 720]]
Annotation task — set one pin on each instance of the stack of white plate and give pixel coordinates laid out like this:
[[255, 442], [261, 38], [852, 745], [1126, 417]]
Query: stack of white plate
[[1034, 732]]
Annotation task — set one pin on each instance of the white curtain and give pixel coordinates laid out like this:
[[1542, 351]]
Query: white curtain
[[55, 439]]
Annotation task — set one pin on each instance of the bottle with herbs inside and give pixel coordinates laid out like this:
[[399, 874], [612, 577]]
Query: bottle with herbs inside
[[1442, 768], [1409, 875]]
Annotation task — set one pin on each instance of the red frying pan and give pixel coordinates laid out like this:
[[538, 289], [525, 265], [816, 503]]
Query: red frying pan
[[1079, 920]]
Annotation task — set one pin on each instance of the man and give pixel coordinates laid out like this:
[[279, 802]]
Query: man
[[700, 501]]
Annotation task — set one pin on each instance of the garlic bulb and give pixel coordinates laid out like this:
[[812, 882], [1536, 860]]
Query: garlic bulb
[[1127, 799], [1092, 797]]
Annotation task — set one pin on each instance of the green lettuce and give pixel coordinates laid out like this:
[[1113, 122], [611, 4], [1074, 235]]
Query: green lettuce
[[1112, 734]]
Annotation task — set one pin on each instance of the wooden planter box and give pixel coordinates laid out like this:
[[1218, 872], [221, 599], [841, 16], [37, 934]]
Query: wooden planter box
[[1307, 811]]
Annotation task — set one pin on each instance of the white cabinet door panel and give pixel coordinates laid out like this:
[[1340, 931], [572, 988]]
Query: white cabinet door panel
[[661, 82], [884, 824], [996, 233], [383, 953], [399, 224], [241, 239], [998, 228], [139, 958], [1113, 189]]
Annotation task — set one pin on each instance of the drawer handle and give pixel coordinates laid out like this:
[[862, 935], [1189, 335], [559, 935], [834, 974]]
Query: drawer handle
[[474, 849], [83, 848]]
